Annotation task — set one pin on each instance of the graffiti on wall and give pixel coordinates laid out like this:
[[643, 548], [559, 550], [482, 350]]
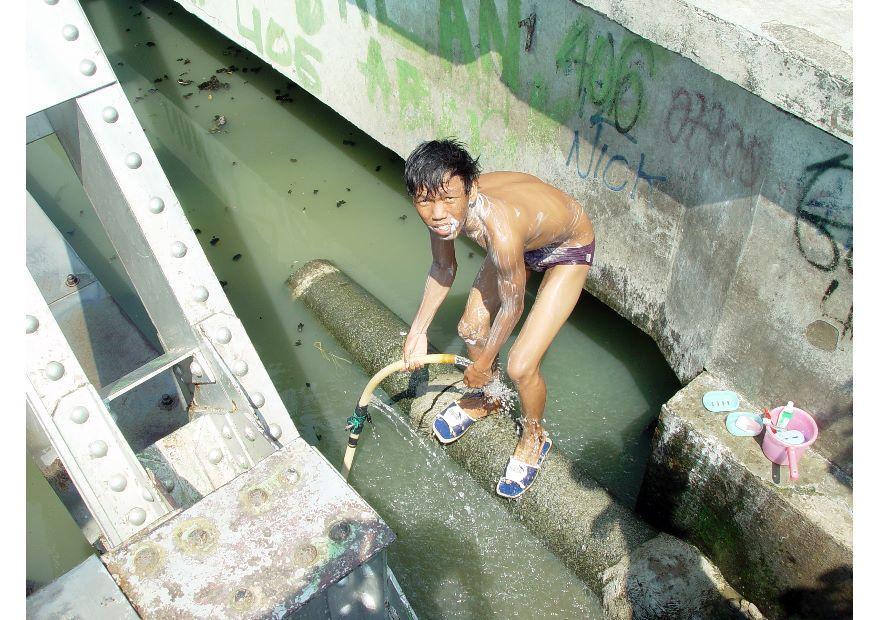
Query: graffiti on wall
[[823, 231], [271, 39], [704, 128], [613, 169]]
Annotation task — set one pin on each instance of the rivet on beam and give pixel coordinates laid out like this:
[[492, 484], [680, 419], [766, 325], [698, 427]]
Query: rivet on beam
[[215, 455], [133, 160], [226, 432], [250, 434], [196, 369], [79, 414], [223, 335], [147, 495], [239, 367], [70, 32], [137, 516], [118, 483], [178, 249], [275, 431], [32, 324], [258, 400], [200, 294], [97, 449], [87, 67], [110, 114], [54, 370], [156, 205]]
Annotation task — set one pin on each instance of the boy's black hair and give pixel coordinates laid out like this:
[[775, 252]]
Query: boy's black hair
[[427, 166]]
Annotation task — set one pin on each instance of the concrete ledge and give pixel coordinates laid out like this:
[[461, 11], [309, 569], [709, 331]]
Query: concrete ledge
[[603, 542], [795, 55], [786, 547]]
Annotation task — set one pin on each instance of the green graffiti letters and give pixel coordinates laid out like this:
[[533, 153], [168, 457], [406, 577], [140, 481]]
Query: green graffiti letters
[[613, 85], [492, 38], [308, 77], [310, 15], [454, 35], [277, 43], [413, 94], [375, 74], [253, 34]]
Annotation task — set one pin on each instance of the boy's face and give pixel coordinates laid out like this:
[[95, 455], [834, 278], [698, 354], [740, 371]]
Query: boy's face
[[445, 212]]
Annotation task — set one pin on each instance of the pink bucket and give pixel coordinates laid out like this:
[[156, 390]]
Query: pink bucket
[[784, 454]]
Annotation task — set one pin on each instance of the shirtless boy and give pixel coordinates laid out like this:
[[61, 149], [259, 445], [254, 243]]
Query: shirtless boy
[[524, 225]]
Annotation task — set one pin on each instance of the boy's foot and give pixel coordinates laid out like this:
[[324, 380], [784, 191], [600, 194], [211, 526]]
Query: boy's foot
[[458, 417], [524, 465]]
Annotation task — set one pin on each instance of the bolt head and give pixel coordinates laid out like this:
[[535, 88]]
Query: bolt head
[[239, 367], [51, 2], [70, 32], [156, 205], [137, 516], [110, 114], [275, 431], [223, 335], [147, 495], [178, 249], [54, 370], [79, 414], [32, 324], [118, 483], [200, 294], [214, 456], [87, 67], [226, 432], [169, 484], [258, 400], [97, 449], [249, 433], [133, 160]]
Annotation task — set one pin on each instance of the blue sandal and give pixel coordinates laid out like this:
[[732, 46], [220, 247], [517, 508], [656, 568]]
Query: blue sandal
[[519, 475], [452, 423]]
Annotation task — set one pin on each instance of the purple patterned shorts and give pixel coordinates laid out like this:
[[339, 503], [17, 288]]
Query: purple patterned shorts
[[550, 255]]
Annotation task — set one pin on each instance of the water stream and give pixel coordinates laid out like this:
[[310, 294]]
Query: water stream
[[285, 180]]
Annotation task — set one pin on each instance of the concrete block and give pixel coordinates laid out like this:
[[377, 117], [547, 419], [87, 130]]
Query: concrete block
[[785, 546]]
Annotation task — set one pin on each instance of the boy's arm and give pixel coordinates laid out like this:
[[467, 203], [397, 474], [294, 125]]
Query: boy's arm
[[506, 252], [437, 285]]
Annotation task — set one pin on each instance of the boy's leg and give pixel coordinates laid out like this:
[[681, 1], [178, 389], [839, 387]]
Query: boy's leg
[[557, 297], [480, 310]]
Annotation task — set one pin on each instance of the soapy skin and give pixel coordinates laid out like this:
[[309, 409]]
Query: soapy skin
[[507, 214]]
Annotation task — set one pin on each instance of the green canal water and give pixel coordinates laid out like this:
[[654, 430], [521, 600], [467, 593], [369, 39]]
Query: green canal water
[[286, 180]]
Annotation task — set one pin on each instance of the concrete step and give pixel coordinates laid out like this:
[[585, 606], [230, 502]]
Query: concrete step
[[785, 546]]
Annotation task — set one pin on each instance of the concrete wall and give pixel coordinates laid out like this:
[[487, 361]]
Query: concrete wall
[[723, 223]]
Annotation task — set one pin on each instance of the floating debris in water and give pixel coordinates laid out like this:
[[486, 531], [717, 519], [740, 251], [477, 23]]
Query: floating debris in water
[[349, 190], [213, 84], [300, 327], [229, 70], [156, 80], [307, 384], [315, 191], [214, 240], [293, 160], [237, 257], [349, 142], [219, 121], [187, 95], [284, 98], [378, 168], [297, 343], [197, 231], [184, 82], [224, 283], [470, 254], [150, 44], [340, 203], [233, 163], [403, 217]]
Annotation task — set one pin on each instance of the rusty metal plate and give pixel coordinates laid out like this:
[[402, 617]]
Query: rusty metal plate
[[260, 546]]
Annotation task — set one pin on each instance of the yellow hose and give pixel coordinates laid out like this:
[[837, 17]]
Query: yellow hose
[[361, 410]]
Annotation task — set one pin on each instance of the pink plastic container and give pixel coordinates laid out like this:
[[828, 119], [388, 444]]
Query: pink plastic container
[[784, 454]]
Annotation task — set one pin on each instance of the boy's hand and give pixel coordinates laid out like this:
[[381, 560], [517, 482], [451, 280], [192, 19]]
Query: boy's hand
[[415, 346], [475, 378]]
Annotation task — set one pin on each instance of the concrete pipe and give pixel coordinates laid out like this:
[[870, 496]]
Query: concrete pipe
[[637, 571]]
